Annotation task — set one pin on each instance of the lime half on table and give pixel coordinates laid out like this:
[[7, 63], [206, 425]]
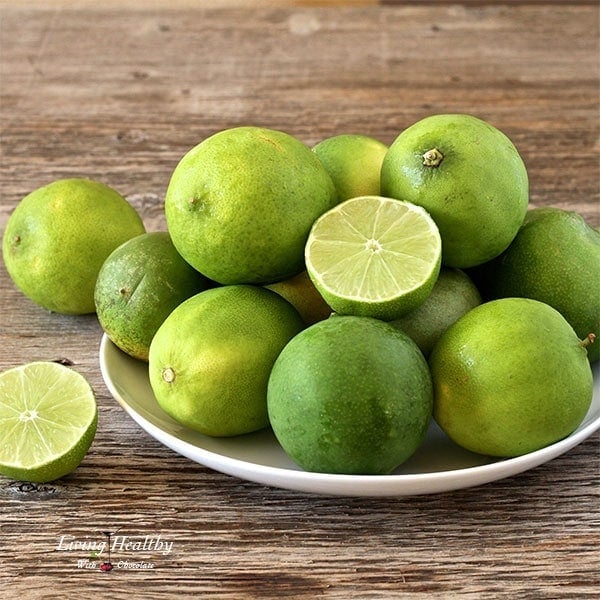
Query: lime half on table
[[48, 418], [374, 256]]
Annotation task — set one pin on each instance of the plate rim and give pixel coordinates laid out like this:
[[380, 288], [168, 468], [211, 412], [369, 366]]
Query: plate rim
[[343, 484]]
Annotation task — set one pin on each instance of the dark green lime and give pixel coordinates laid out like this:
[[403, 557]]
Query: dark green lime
[[138, 286], [555, 258], [350, 395]]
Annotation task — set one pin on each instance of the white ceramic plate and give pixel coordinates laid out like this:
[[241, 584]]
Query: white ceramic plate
[[439, 465]]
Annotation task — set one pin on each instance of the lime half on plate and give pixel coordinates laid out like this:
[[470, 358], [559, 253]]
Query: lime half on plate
[[374, 256], [48, 418]]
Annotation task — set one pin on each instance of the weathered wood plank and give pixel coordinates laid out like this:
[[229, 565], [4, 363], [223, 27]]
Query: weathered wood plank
[[107, 107], [118, 92]]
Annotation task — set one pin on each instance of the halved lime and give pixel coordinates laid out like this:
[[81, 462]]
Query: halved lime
[[374, 256], [48, 418]]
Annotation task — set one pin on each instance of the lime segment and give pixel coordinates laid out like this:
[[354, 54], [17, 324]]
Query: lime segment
[[374, 256], [48, 418]]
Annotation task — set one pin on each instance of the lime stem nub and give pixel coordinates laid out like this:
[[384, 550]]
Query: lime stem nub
[[432, 158], [588, 340], [168, 375]]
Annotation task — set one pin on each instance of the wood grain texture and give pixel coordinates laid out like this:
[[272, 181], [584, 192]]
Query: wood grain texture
[[119, 92]]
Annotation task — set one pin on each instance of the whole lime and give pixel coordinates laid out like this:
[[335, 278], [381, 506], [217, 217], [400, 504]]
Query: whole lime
[[510, 377], [214, 378], [468, 175], [59, 235], [139, 285], [240, 204], [350, 395], [353, 162], [453, 295], [302, 294], [554, 258]]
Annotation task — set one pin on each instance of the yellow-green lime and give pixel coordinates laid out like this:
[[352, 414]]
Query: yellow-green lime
[[453, 295], [353, 162], [374, 256], [554, 258], [350, 395], [240, 204], [139, 285], [210, 360], [470, 178], [48, 418], [301, 292], [59, 235], [510, 377]]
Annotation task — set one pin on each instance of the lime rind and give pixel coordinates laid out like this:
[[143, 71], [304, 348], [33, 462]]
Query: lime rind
[[374, 256], [48, 418]]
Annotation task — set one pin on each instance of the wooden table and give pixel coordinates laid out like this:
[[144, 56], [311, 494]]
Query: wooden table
[[118, 91]]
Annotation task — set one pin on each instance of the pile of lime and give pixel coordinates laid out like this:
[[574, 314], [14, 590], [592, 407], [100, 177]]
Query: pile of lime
[[344, 295]]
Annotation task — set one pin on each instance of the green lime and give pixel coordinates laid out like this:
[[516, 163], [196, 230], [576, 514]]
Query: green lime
[[214, 378], [139, 285], [555, 258], [374, 256], [468, 175], [350, 395], [48, 419], [59, 235], [301, 293], [353, 162], [240, 204], [510, 377], [453, 295]]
